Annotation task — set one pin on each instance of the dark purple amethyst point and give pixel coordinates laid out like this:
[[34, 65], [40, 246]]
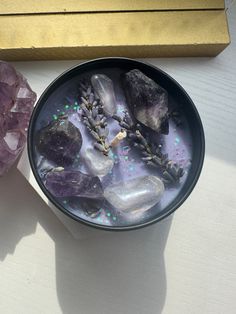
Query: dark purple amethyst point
[[60, 141], [69, 183], [147, 100]]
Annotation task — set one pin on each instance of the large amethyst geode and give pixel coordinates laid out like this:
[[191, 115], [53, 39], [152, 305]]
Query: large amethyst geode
[[16, 105]]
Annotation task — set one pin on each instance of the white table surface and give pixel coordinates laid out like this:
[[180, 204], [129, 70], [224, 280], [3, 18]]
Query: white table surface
[[184, 265]]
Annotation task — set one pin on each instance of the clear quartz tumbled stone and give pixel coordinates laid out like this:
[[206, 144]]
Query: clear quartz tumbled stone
[[104, 88], [137, 194]]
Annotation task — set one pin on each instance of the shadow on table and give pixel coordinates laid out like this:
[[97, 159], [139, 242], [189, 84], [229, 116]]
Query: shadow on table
[[107, 273], [20, 211], [113, 273], [17, 218]]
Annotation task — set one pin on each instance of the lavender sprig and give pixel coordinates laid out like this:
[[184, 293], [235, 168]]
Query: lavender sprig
[[152, 156], [94, 118]]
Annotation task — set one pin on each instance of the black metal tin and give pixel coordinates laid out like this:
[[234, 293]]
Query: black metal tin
[[165, 81]]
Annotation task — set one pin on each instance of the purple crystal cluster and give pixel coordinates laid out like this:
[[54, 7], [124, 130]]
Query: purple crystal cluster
[[16, 105]]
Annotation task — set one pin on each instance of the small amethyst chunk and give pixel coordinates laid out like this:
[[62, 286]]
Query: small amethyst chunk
[[69, 183], [60, 141], [147, 100]]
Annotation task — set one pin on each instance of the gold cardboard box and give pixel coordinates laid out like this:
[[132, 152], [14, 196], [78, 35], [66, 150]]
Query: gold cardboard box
[[75, 29]]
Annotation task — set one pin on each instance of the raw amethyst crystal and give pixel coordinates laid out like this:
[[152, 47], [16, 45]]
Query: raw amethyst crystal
[[16, 105], [147, 100], [60, 141], [68, 183]]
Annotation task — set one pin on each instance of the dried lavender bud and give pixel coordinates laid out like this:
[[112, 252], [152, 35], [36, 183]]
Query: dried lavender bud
[[146, 158], [139, 127], [145, 154], [132, 136], [117, 118], [125, 125], [91, 98], [172, 171], [157, 160], [99, 147], [105, 132], [103, 120], [167, 177], [94, 112], [86, 123], [141, 146], [180, 172], [141, 138], [89, 90], [148, 149], [91, 121], [151, 163], [84, 94], [95, 135], [84, 101]]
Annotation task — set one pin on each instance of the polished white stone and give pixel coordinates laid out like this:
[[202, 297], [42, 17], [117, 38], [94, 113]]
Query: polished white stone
[[138, 194]]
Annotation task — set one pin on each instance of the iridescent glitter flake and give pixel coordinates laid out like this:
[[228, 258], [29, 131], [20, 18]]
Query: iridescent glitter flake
[[120, 109], [125, 150], [131, 168], [99, 219], [110, 215], [177, 141]]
